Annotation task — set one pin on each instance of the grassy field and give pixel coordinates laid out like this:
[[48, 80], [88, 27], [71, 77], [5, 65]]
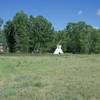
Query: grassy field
[[49, 77]]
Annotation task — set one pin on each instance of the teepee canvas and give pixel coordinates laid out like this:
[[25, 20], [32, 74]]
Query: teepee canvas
[[58, 50]]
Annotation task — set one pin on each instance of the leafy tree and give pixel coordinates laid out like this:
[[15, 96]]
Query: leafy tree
[[89, 40], [73, 38], [21, 23], [2, 36], [10, 33], [31, 34], [81, 38], [17, 33], [97, 42], [41, 34]]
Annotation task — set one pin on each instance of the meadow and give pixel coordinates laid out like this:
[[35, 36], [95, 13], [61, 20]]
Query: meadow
[[50, 77]]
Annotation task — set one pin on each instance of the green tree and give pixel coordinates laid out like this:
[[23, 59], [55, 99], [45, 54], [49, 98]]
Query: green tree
[[97, 42], [73, 38], [21, 23], [17, 33], [41, 34], [80, 38], [10, 33], [89, 40], [2, 36]]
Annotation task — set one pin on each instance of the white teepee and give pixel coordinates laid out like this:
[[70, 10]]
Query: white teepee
[[58, 50]]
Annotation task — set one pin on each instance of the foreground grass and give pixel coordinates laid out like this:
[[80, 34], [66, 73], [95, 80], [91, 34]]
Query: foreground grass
[[67, 77]]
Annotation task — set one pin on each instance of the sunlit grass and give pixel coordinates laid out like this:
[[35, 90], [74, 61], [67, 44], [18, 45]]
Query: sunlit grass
[[50, 77]]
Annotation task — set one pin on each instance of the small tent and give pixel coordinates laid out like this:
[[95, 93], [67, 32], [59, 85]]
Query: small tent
[[58, 50]]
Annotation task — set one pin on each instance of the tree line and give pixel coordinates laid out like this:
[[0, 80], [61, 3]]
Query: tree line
[[29, 34]]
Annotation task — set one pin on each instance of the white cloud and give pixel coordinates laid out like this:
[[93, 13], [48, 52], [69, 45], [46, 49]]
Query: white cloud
[[98, 12], [80, 12]]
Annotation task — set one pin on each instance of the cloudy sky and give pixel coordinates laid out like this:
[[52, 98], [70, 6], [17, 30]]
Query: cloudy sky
[[59, 12]]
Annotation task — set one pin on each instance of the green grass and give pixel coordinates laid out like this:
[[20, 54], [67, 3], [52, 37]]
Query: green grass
[[50, 77]]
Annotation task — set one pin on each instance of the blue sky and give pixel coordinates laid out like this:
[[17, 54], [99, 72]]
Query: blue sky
[[59, 12]]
